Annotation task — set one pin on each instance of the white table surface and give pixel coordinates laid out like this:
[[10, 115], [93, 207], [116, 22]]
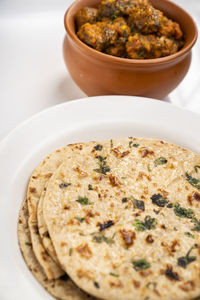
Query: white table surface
[[32, 71]]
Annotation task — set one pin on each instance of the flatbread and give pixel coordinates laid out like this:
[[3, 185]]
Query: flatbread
[[42, 227], [63, 288], [38, 180], [43, 230], [129, 228]]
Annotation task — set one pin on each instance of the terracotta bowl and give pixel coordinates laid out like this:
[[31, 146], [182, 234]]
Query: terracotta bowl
[[97, 73]]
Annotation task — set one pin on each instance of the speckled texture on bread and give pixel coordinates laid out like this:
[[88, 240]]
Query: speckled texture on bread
[[124, 218], [62, 288]]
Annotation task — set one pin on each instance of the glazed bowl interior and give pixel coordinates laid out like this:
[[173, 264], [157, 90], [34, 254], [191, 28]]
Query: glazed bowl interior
[[170, 9]]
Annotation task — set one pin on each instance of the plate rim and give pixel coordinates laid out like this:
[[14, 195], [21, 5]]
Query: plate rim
[[76, 101]]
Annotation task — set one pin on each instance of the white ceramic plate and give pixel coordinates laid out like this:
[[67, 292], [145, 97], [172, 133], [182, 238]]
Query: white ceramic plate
[[82, 120]]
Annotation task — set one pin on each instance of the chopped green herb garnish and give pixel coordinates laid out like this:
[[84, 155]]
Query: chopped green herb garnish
[[105, 225], [103, 167], [183, 261], [135, 145], [193, 181], [160, 161], [139, 225], [109, 241], [90, 188], [111, 143], [196, 168], [189, 235], [124, 200], [141, 52], [70, 251], [113, 274], [98, 237], [64, 185], [84, 200], [141, 264], [131, 143], [171, 275], [182, 212], [148, 224], [138, 204], [148, 168], [159, 200], [196, 224], [98, 147], [79, 219], [81, 233]]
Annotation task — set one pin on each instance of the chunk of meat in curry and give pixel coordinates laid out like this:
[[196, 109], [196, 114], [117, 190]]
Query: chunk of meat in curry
[[86, 15], [149, 46]]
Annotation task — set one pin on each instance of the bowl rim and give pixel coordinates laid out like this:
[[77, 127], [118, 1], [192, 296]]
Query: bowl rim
[[128, 61]]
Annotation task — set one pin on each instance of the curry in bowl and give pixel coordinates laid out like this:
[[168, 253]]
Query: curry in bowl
[[129, 29]]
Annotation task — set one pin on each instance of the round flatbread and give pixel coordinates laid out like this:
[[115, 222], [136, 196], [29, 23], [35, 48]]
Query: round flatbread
[[38, 180], [62, 288], [42, 227], [129, 227]]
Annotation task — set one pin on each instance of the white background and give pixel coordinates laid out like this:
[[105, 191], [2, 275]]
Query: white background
[[32, 71]]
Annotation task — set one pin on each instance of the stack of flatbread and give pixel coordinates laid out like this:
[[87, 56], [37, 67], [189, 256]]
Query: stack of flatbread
[[117, 219]]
